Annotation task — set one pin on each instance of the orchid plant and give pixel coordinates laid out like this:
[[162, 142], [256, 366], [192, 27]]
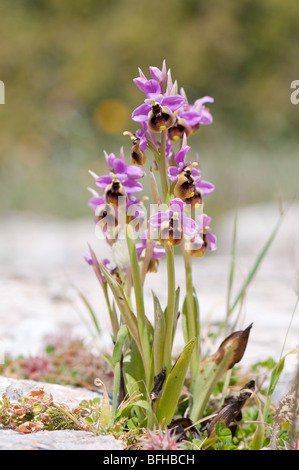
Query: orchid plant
[[142, 357]]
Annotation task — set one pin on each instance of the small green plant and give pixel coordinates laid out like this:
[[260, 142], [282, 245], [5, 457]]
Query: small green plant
[[38, 411]]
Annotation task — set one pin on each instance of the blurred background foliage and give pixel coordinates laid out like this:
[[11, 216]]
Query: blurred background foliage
[[68, 68]]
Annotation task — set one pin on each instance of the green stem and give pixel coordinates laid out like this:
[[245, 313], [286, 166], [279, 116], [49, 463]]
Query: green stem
[[141, 318], [170, 310], [162, 166], [154, 151], [191, 314]]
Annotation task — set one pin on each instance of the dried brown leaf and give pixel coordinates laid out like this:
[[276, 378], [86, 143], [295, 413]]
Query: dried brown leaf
[[230, 412], [158, 384], [236, 343], [29, 427]]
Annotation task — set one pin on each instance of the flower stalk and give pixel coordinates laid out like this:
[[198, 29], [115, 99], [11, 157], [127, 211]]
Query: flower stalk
[[141, 317], [162, 166], [170, 310]]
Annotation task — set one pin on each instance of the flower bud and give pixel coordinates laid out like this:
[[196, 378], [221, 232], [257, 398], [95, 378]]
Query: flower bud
[[160, 118], [138, 156]]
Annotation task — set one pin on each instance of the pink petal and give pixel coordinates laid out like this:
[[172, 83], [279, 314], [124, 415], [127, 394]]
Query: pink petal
[[180, 156], [103, 181], [205, 187], [212, 241], [140, 114], [173, 172]]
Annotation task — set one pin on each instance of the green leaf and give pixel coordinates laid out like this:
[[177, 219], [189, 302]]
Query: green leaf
[[176, 310], [105, 416], [167, 403], [213, 367], [91, 311], [159, 335], [121, 338], [142, 324], [276, 372], [134, 371], [259, 435], [222, 430], [120, 298], [195, 319]]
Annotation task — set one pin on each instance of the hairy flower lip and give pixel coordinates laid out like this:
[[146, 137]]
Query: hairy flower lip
[[160, 118]]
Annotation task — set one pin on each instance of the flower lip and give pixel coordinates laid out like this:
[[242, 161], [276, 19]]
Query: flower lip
[[160, 118], [173, 103], [204, 239], [187, 169]]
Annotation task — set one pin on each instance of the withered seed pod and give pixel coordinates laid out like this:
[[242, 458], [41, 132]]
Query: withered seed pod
[[160, 118]]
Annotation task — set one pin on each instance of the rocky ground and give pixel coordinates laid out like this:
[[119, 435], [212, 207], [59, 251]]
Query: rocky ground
[[42, 269]]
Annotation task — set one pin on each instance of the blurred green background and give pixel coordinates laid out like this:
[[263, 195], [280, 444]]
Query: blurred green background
[[68, 68]]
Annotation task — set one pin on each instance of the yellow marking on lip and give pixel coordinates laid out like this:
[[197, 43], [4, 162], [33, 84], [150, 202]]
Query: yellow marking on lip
[[162, 128]]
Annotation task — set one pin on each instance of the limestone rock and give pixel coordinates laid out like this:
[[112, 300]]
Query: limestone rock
[[52, 440]]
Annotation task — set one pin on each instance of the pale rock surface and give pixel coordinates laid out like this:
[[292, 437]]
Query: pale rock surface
[[57, 440], [52, 440], [42, 268]]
